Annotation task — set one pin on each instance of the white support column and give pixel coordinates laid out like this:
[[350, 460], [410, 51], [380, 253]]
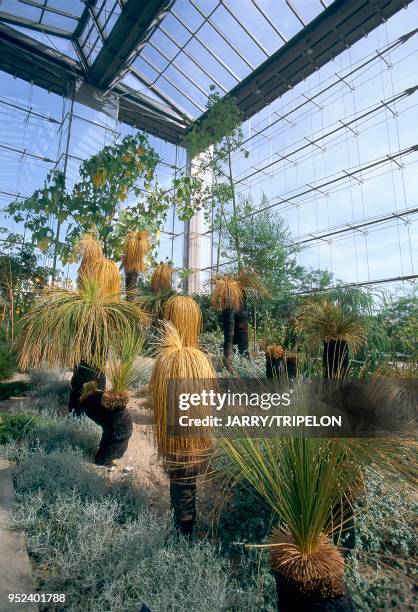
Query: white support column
[[194, 255]]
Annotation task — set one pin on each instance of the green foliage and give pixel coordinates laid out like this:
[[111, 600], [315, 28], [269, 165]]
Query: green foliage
[[219, 126], [13, 388], [265, 247], [7, 356], [106, 179], [379, 573], [373, 587], [57, 218], [20, 279], [105, 549], [399, 319], [242, 518], [121, 370], [211, 322], [50, 202], [13, 426], [387, 515]]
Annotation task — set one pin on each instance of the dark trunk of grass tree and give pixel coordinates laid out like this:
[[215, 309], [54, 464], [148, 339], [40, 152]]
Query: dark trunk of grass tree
[[228, 326], [274, 366], [116, 423], [335, 359], [291, 597], [82, 374], [240, 337], [291, 367], [183, 499], [131, 284]]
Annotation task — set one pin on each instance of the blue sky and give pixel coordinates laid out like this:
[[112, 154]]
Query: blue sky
[[386, 250]]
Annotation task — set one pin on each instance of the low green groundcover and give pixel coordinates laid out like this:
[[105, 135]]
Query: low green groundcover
[[102, 545]]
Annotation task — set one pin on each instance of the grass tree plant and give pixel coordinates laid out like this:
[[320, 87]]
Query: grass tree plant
[[305, 481], [137, 246], [162, 278], [105, 272], [184, 456], [108, 408], [186, 316], [89, 250], [77, 329], [338, 328], [228, 298]]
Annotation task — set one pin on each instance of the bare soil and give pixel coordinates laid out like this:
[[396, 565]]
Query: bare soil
[[140, 462]]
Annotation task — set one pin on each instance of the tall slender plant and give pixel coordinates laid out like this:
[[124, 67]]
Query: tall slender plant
[[137, 246], [184, 456], [337, 328]]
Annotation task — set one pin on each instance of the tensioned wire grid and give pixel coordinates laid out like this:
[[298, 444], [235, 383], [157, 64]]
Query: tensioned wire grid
[[334, 156]]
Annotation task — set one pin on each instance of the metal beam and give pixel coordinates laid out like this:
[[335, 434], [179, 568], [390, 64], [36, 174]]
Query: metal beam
[[338, 27], [380, 281], [33, 25], [130, 30], [50, 9], [23, 57], [30, 60]]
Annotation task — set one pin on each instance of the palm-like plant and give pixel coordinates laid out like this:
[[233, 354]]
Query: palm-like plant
[[338, 328], [305, 481], [185, 314], [105, 272], [77, 329], [183, 456], [229, 296], [161, 280], [89, 250], [65, 327], [137, 246]]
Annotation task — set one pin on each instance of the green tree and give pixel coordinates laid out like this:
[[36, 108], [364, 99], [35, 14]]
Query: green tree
[[266, 247], [55, 218]]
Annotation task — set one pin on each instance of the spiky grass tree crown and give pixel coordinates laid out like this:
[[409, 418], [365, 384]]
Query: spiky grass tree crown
[[176, 361], [161, 280], [323, 321], [250, 280], [137, 246], [105, 273], [89, 249], [120, 369], [65, 328], [185, 314], [227, 293], [275, 351], [304, 480]]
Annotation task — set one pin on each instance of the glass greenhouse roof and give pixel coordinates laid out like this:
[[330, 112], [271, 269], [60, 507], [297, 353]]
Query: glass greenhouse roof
[[187, 45], [160, 57]]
